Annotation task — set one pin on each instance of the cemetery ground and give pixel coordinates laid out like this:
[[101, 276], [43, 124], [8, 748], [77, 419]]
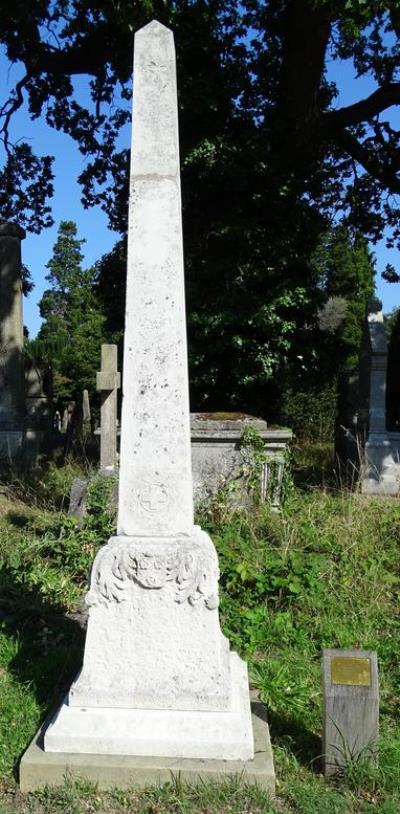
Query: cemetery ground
[[325, 572]]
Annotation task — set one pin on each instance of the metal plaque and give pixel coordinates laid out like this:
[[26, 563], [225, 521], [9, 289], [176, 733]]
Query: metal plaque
[[350, 670]]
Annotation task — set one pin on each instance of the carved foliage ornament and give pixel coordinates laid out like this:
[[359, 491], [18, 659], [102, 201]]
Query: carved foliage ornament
[[193, 570]]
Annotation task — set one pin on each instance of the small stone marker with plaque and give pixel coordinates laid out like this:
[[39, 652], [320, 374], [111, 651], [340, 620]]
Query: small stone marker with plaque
[[351, 708]]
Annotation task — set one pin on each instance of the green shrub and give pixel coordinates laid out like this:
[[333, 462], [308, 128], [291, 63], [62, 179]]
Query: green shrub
[[54, 553], [311, 413], [323, 573]]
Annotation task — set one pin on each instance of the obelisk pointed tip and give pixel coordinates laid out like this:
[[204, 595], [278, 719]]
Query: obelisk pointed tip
[[154, 27]]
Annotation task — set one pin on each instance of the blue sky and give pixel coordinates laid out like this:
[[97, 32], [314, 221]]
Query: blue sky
[[352, 89], [92, 223], [66, 204]]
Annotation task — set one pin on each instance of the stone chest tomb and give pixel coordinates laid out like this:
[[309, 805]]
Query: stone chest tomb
[[220, 456]]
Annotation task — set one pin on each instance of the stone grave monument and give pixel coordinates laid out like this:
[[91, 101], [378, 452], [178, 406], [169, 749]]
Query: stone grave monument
[[65, 420], [77, 500], [351, 708], [12, 386], [381, 472], [86, 415], [220, 459], [159, 689], [365, 448], [108, 382], [38, 407]]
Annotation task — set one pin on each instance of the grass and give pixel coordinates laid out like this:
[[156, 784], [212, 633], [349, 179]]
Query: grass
[[230, 797], [324, 573]]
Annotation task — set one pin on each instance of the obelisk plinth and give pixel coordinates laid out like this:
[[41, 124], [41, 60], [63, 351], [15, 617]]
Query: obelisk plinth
[[158, 677]]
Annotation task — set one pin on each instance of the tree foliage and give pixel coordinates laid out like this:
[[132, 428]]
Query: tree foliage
[[252, 65], [72, 330], [347, 273], [269, 159], [330, 347]]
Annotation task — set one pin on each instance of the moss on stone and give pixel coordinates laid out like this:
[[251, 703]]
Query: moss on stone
[[222, 416]]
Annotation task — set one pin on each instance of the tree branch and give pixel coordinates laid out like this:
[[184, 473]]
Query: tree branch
[[87, 58], [382, 98], [306, 35], [13, 104], [385, 173]]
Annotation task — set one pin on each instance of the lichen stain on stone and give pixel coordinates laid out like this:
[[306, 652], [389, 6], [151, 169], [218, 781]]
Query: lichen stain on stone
[[222, 416]]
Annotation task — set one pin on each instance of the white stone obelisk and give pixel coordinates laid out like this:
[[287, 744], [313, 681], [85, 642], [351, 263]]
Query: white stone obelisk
[[158, 677], [155, 492]]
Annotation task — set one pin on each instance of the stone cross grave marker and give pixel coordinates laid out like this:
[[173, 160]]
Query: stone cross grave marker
[[65, 420], [86, 414], [351, 707], [108, 382], [158, 677]]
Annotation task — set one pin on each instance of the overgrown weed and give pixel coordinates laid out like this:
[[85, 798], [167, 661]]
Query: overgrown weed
[[46, 486], [322, 573]]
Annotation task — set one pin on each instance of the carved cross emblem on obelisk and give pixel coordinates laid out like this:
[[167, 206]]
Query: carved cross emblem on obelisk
[[153, 497]]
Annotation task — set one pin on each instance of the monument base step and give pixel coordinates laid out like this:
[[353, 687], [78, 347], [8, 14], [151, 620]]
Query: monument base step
[[39, 768], [388, 487], [379, 489], [217, 735], [11, 445]]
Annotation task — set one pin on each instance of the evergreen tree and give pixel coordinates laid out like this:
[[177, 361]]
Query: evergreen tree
[[330, 346], [72, 330], [346, 268]]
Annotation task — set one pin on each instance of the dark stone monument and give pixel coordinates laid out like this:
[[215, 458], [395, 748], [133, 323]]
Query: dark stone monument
[[12, 391]]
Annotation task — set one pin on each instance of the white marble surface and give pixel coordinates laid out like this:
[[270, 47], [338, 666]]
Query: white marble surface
[[166, 733], [153, 638], [158, 677], [381, 473], [155, 487]]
